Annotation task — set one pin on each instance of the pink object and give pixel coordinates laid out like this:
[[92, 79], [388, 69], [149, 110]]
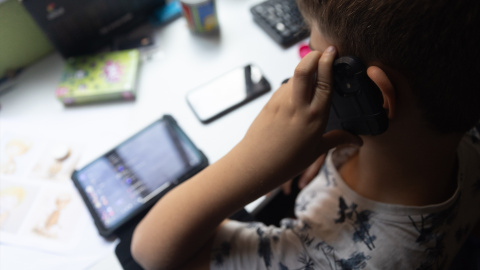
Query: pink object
[[61, 91], [304, 50], [127, 95], [113, 71]]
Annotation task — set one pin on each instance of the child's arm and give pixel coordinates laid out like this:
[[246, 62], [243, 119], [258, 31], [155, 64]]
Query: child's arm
[[282, 141]]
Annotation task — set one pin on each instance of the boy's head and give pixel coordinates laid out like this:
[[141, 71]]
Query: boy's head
[[434, 44]]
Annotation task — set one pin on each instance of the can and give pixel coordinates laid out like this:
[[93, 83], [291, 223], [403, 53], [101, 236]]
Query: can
[[201, 15]]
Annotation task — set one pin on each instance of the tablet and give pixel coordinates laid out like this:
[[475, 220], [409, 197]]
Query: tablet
[[127, 180]]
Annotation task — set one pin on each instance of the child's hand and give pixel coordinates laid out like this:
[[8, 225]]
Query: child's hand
[[287, 136]]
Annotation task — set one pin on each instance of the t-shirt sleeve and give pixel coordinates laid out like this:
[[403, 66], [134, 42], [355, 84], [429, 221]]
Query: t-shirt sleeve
[[239, 245]]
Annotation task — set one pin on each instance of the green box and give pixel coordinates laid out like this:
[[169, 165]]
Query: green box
[[100, 77]]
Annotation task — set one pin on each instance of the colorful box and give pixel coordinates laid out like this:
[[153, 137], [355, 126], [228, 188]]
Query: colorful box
[[100, 77], [201, 15]]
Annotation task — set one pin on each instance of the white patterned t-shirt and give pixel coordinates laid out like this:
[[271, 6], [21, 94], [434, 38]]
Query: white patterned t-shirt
[[336, 228]]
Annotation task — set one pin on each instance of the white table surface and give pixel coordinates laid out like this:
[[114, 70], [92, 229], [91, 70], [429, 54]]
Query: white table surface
[[181, 62]]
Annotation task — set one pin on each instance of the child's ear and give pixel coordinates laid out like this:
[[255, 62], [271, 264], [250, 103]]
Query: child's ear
[[378, 76]]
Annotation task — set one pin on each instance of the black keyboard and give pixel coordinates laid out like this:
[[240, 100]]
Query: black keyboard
[[282, 20]]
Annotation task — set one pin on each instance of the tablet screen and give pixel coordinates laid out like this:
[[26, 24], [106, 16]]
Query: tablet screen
[[130, 175]]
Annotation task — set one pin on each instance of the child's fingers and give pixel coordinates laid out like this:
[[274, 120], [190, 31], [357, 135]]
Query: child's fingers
[[303, 78], [323, 85], [287, 187]]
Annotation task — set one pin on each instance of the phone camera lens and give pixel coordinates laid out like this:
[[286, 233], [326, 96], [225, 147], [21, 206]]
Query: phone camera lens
[[344, 79]]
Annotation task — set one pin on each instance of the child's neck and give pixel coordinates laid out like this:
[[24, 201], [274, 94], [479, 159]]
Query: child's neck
[[402, 169]]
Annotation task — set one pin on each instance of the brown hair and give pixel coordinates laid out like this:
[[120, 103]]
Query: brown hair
[[433, 43]]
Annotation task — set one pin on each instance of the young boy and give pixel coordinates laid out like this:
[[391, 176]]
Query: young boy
[[405, 199]]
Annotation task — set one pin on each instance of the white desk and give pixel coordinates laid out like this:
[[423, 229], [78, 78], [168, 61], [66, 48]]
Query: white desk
[[182, 62]]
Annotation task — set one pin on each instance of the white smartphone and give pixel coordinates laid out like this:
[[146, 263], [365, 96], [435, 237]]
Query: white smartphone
[[227, 92]]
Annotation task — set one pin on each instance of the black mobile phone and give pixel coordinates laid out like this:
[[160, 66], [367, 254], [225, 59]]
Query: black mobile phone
[[357, 103], [227, 92], [125, 182]]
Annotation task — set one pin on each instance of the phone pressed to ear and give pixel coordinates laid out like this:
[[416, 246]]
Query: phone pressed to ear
[[357, 103]]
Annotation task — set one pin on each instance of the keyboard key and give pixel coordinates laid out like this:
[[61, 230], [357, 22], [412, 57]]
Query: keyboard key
[[282, 20]]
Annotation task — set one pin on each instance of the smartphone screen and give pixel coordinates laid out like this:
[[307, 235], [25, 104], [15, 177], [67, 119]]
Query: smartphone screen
[[227, 92], [126, 179]]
